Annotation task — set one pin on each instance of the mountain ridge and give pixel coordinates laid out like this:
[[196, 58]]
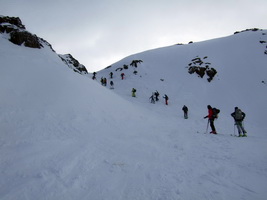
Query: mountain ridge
[[17, 33]]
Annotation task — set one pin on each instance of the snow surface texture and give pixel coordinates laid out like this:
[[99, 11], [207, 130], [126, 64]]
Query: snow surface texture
[[64, 136]]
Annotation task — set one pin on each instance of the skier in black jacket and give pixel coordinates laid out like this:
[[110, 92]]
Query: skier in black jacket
[[185, 109]]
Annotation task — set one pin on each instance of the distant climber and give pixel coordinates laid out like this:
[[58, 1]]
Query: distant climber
[[156, 95], [105, 82], [122, 76], [111, 75], [152, 100], [185, 109], [111, 85], [94, 76], [133, 92], [166, 99]]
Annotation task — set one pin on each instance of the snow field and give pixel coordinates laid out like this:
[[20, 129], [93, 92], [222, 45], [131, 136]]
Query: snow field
[[64, 136]]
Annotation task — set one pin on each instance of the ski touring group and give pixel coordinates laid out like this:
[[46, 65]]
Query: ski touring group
[[238, 115]]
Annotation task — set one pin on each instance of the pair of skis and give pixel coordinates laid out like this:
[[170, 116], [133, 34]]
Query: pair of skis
[[233, 135]]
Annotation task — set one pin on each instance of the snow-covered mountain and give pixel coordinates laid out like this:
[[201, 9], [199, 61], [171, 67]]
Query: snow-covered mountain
[[64, 136], [240, 61]]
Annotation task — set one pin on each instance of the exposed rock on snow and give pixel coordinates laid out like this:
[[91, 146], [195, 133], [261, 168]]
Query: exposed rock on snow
[[73, 64], [26, 38], [201, 68], [6, 22], [20, 36], [18, 33]]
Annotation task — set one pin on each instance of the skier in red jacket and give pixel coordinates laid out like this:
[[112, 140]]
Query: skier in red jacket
[[122, 76], [211, 119], [166, 99]]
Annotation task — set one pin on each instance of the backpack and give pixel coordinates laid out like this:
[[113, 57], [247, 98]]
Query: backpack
[[185, 109], [238, 114], [215, 112]]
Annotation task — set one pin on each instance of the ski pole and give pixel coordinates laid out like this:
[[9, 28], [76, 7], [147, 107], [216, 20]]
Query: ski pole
[[207, 126], [234, 129]]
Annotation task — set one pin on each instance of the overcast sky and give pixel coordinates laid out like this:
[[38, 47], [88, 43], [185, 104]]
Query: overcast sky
[[100, 32]]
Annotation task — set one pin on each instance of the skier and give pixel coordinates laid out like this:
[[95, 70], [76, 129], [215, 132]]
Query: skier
[[211, 119], [239, 116], [133, 92], [122, 76], [111, 85], [156, 95], [105, 82], [94, 76], [111, 75], [166, 99], [185, 109], [152, 99]]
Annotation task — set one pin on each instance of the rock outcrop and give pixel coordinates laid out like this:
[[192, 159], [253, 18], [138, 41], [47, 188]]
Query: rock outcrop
[[18, 34], [201, 68], [13, 27], [73, 64]]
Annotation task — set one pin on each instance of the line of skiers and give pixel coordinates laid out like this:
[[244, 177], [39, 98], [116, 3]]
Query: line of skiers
[[104, 83], [155, 97], [104, 80], [238, 114]]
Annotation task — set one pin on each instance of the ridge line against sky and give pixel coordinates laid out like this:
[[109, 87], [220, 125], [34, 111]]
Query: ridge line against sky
[[100, 32]]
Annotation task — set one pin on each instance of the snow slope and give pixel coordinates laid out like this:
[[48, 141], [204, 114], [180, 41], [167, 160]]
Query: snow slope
[[64, 136], [239, 60]]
